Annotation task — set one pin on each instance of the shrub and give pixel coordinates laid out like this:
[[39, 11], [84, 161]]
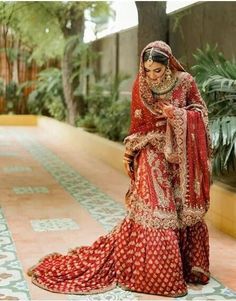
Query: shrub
[[108, 113]]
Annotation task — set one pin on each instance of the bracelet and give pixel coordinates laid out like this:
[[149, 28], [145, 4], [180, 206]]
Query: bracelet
[[129, 152], [129, 156], [127, 159]]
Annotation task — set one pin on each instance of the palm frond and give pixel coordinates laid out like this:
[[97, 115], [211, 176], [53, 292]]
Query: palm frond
[[219, 83], [223, 134], [216, 79]]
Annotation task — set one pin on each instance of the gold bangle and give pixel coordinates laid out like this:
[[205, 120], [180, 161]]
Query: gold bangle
[[128, 156], [127, 160], [129, 152]]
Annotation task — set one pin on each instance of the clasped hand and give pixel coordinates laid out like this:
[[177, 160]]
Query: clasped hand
[[129, 163], [166, 109]]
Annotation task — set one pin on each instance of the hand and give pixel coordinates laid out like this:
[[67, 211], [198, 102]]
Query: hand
[[167, 109], [128, 163], [129, 169]]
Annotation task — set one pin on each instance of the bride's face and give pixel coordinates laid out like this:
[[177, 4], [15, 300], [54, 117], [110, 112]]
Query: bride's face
[[154, 71]]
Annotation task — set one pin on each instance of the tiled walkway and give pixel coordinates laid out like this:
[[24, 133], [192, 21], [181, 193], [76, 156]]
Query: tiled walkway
[[55, 197]]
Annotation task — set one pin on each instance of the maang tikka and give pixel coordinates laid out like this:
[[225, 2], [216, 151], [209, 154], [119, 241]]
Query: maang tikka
[[150, 60]]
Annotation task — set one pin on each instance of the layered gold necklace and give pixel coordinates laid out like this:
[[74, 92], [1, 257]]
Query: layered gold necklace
[[166, 84]]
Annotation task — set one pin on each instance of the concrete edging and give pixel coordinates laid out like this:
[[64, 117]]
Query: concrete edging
[[108, 151], [27, 120]]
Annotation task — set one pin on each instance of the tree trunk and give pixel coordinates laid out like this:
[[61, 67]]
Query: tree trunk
[[70, 100], [8, 73], [152, 22], [69, 85], [15, 73]]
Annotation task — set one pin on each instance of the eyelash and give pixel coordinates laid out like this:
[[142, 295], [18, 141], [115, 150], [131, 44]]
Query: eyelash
[[154, 71]]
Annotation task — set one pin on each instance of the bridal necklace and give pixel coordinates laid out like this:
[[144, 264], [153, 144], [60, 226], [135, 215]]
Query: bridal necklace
[[166, 84]]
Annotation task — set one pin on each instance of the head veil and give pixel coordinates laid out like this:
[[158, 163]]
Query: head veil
[[162, 47]]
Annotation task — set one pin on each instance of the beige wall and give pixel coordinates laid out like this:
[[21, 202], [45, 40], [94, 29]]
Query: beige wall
[[118, 55], [128, 57], [107, 60], [204, 22]]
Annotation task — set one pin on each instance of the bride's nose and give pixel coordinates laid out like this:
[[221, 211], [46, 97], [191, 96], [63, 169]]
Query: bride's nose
[[152, 75]]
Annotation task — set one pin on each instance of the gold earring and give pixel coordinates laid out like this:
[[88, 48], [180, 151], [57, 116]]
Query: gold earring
[[168, 73]]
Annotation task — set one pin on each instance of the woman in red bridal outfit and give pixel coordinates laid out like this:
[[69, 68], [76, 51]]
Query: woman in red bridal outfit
[[162, 243]]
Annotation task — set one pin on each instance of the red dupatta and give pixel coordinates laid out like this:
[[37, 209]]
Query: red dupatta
[[198, 161], [187, 144]]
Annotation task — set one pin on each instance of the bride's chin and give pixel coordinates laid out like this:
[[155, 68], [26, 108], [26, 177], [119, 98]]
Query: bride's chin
[[156, 81]]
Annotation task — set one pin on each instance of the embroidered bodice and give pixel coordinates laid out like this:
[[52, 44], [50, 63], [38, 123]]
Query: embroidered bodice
[[143, 119]]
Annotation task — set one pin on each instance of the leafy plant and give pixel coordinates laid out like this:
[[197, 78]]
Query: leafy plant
[[87, 122], [114, 125], [108, 113], [46, 29], [48, 98], [216, 78], [13, 96], [224, 143], [2, 88]]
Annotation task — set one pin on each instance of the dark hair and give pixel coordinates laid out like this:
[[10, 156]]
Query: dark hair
[[156, 57]]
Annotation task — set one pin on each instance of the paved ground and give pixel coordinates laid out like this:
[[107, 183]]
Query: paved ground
[[55, 197]]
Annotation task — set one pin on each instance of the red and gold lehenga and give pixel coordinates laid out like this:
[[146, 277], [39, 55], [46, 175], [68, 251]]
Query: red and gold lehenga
[[162, 243]]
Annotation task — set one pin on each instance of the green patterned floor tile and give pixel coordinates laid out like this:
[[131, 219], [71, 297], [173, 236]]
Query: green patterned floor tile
[[30, 190], [12, 283], [107, 212], [8, 154], [100, 206], [214, 290], [116, 294], [54, 224], [15, 169]]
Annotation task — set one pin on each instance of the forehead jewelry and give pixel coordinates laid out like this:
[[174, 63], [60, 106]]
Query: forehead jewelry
[[150, 60]]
